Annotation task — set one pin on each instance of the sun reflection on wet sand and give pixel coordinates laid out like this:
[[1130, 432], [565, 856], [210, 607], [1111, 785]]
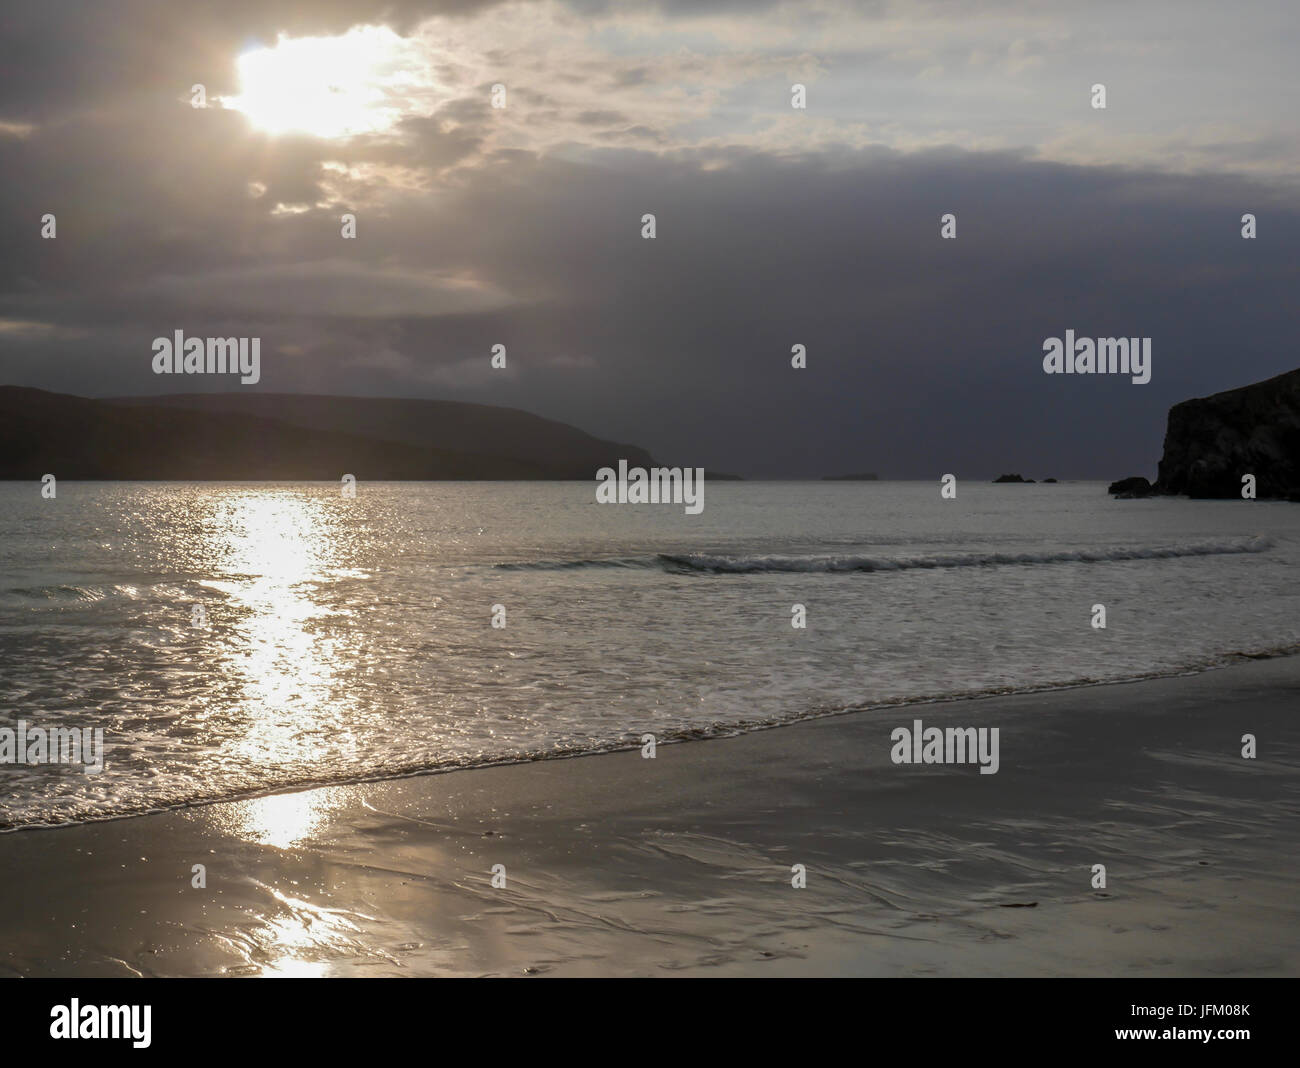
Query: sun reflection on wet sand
[[304, 940], [292, 935], [282, 820]]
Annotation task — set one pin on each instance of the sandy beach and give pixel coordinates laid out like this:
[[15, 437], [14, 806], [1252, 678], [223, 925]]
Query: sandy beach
[[682, 864]]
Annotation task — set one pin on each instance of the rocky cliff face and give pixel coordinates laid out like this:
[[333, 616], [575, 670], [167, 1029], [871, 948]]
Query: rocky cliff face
[[1211, 442]]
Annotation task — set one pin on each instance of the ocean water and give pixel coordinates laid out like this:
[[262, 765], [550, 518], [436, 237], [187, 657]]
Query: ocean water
[[349, 639]]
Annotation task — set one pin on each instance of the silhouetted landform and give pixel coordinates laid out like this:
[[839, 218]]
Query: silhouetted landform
[[1212, 442], [865, 477], [1012, 478], [1046, 480], [1130, 488], [481, 430], [282, 437]]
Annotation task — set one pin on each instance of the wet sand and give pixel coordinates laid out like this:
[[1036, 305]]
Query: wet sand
[[619, 865]]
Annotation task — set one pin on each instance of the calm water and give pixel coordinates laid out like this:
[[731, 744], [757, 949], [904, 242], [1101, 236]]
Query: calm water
[[352, 638]]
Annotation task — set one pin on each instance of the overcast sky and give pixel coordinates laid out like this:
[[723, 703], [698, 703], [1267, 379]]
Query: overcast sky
[[776, 226]]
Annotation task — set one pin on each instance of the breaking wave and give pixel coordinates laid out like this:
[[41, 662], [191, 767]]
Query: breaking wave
[[767, 563]]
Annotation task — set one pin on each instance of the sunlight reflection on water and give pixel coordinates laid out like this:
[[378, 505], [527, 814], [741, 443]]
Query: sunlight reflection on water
[[352, 638]]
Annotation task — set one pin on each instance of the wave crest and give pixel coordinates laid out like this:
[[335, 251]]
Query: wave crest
[[774, 563]]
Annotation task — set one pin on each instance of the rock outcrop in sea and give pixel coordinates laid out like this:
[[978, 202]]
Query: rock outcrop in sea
[[1128, 488]]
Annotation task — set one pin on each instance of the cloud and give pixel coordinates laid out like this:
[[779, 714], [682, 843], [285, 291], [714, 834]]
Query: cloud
[[333, 287], [478, 226]]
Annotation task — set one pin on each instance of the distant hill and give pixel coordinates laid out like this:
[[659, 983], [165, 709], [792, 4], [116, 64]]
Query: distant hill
[[866, 477], [557, 449], [284, 437]]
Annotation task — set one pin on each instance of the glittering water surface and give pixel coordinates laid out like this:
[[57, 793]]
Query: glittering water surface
[[346, 638]]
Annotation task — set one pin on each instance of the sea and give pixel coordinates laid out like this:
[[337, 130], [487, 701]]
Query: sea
[[237, 639]]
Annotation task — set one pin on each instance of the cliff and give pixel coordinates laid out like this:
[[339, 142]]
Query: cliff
[[1212, 441]]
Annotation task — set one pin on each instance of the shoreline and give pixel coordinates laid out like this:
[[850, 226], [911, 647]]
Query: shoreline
[[718, 733], [682, 864]]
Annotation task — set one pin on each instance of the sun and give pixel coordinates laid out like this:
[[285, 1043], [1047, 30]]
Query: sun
[[330, 87]]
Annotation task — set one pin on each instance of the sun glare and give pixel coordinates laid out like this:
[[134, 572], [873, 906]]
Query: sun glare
[[330, 87]]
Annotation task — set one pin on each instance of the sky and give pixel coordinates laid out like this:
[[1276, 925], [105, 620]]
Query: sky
[[521, 225]]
